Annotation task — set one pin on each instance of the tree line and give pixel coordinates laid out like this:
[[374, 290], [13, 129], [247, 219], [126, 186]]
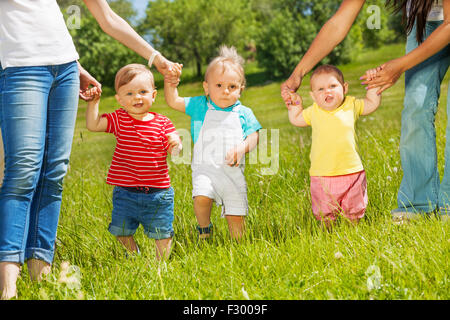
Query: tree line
[[274, 33]]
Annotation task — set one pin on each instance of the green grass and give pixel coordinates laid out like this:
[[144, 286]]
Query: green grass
[[285, 254]]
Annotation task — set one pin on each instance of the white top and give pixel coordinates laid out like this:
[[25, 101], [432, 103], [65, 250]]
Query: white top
[[436, 12], [34, 33]]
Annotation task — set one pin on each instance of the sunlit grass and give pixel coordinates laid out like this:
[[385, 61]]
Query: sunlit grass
[[284, 254]]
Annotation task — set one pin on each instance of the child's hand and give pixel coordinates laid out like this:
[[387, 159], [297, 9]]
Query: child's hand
[[235, 155], [371, 74], [175, 145], [173, 77], [93, 94], [296, 100]]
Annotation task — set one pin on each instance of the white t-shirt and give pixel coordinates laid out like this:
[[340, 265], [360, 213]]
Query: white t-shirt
[[436, 12], [34, 33]]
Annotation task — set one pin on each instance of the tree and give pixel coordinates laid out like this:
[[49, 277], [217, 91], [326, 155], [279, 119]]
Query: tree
[[191, 31], [290, 29], [375, 22]]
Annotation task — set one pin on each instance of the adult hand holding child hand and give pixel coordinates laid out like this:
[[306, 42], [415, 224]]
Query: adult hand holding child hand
[[173, 76], [87, 80], [92, 94], [290, 86], [385, 77], [167, 68]]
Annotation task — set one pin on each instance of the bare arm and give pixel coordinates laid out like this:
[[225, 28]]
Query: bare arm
[[172, 98], [371, 102], [392, 70], [295, 114], [331, 34], [119, 29], [94, 122], [295, 111], [235, 155]]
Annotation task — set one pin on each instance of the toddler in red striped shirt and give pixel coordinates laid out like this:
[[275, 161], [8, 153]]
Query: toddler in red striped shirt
[[142, 191]]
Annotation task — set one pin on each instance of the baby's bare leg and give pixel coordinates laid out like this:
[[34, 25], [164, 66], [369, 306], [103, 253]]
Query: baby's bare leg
[[163, 247], [128, 242], [236, 226], [202, 209]]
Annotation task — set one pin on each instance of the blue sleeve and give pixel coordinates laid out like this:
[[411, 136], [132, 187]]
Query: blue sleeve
[[196, 107], [249, 122]]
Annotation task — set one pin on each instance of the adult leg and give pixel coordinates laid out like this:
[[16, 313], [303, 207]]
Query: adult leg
[[46, 204], [444, 190], [23, 115], [419, 188], [9, 272]]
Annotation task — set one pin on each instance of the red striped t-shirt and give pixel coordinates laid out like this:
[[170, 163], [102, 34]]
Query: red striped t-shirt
[[139, 158]]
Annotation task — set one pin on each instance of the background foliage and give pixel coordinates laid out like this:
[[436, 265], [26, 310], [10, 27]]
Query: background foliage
[[275, 33]]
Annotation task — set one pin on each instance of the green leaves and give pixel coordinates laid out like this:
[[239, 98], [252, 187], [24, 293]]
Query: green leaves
[[191, 31]]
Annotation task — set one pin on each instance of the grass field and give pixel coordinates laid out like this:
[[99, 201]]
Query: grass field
[[285, 254]]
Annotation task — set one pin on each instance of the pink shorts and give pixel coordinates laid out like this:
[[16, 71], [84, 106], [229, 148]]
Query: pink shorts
[[339, 195]]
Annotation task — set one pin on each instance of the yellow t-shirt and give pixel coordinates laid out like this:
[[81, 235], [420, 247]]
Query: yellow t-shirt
[[334, 150]]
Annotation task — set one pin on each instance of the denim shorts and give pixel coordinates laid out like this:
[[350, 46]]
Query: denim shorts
[[153, 210]]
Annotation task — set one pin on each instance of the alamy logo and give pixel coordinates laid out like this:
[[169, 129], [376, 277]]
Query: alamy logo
[[215, 149], [74, 19]]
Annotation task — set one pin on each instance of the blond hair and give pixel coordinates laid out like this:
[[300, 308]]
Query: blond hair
[[228, 57], [127, 73]]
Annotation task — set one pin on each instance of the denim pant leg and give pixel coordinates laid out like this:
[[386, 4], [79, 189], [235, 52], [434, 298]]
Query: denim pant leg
[[46, 204], [34, 102], [444, 190], [419, 189]]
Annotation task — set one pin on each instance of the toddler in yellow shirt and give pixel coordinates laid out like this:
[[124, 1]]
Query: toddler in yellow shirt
[[338, 180]]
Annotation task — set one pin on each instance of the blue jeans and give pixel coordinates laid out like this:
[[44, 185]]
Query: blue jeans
[[153, 210], [421, 190], [38, 107]]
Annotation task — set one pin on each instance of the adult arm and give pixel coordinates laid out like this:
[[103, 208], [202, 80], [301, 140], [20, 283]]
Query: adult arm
[[119, 29], [392, 70], [331, 34]]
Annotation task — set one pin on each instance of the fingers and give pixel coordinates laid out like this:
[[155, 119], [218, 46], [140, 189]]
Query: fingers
[[232, 159], [290, 86], [371, 74], [93, 93], [175, 145], [173, 77], [387, 86], [295, 98]]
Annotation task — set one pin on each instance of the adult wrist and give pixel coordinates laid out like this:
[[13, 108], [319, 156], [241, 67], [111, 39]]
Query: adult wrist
[[154, 54]]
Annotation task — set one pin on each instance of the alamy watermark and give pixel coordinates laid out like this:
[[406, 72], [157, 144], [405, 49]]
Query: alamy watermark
[[266, 152], [374, 20], [74, 19]]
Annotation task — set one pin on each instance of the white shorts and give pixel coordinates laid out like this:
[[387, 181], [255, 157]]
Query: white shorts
[[228, 191]]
